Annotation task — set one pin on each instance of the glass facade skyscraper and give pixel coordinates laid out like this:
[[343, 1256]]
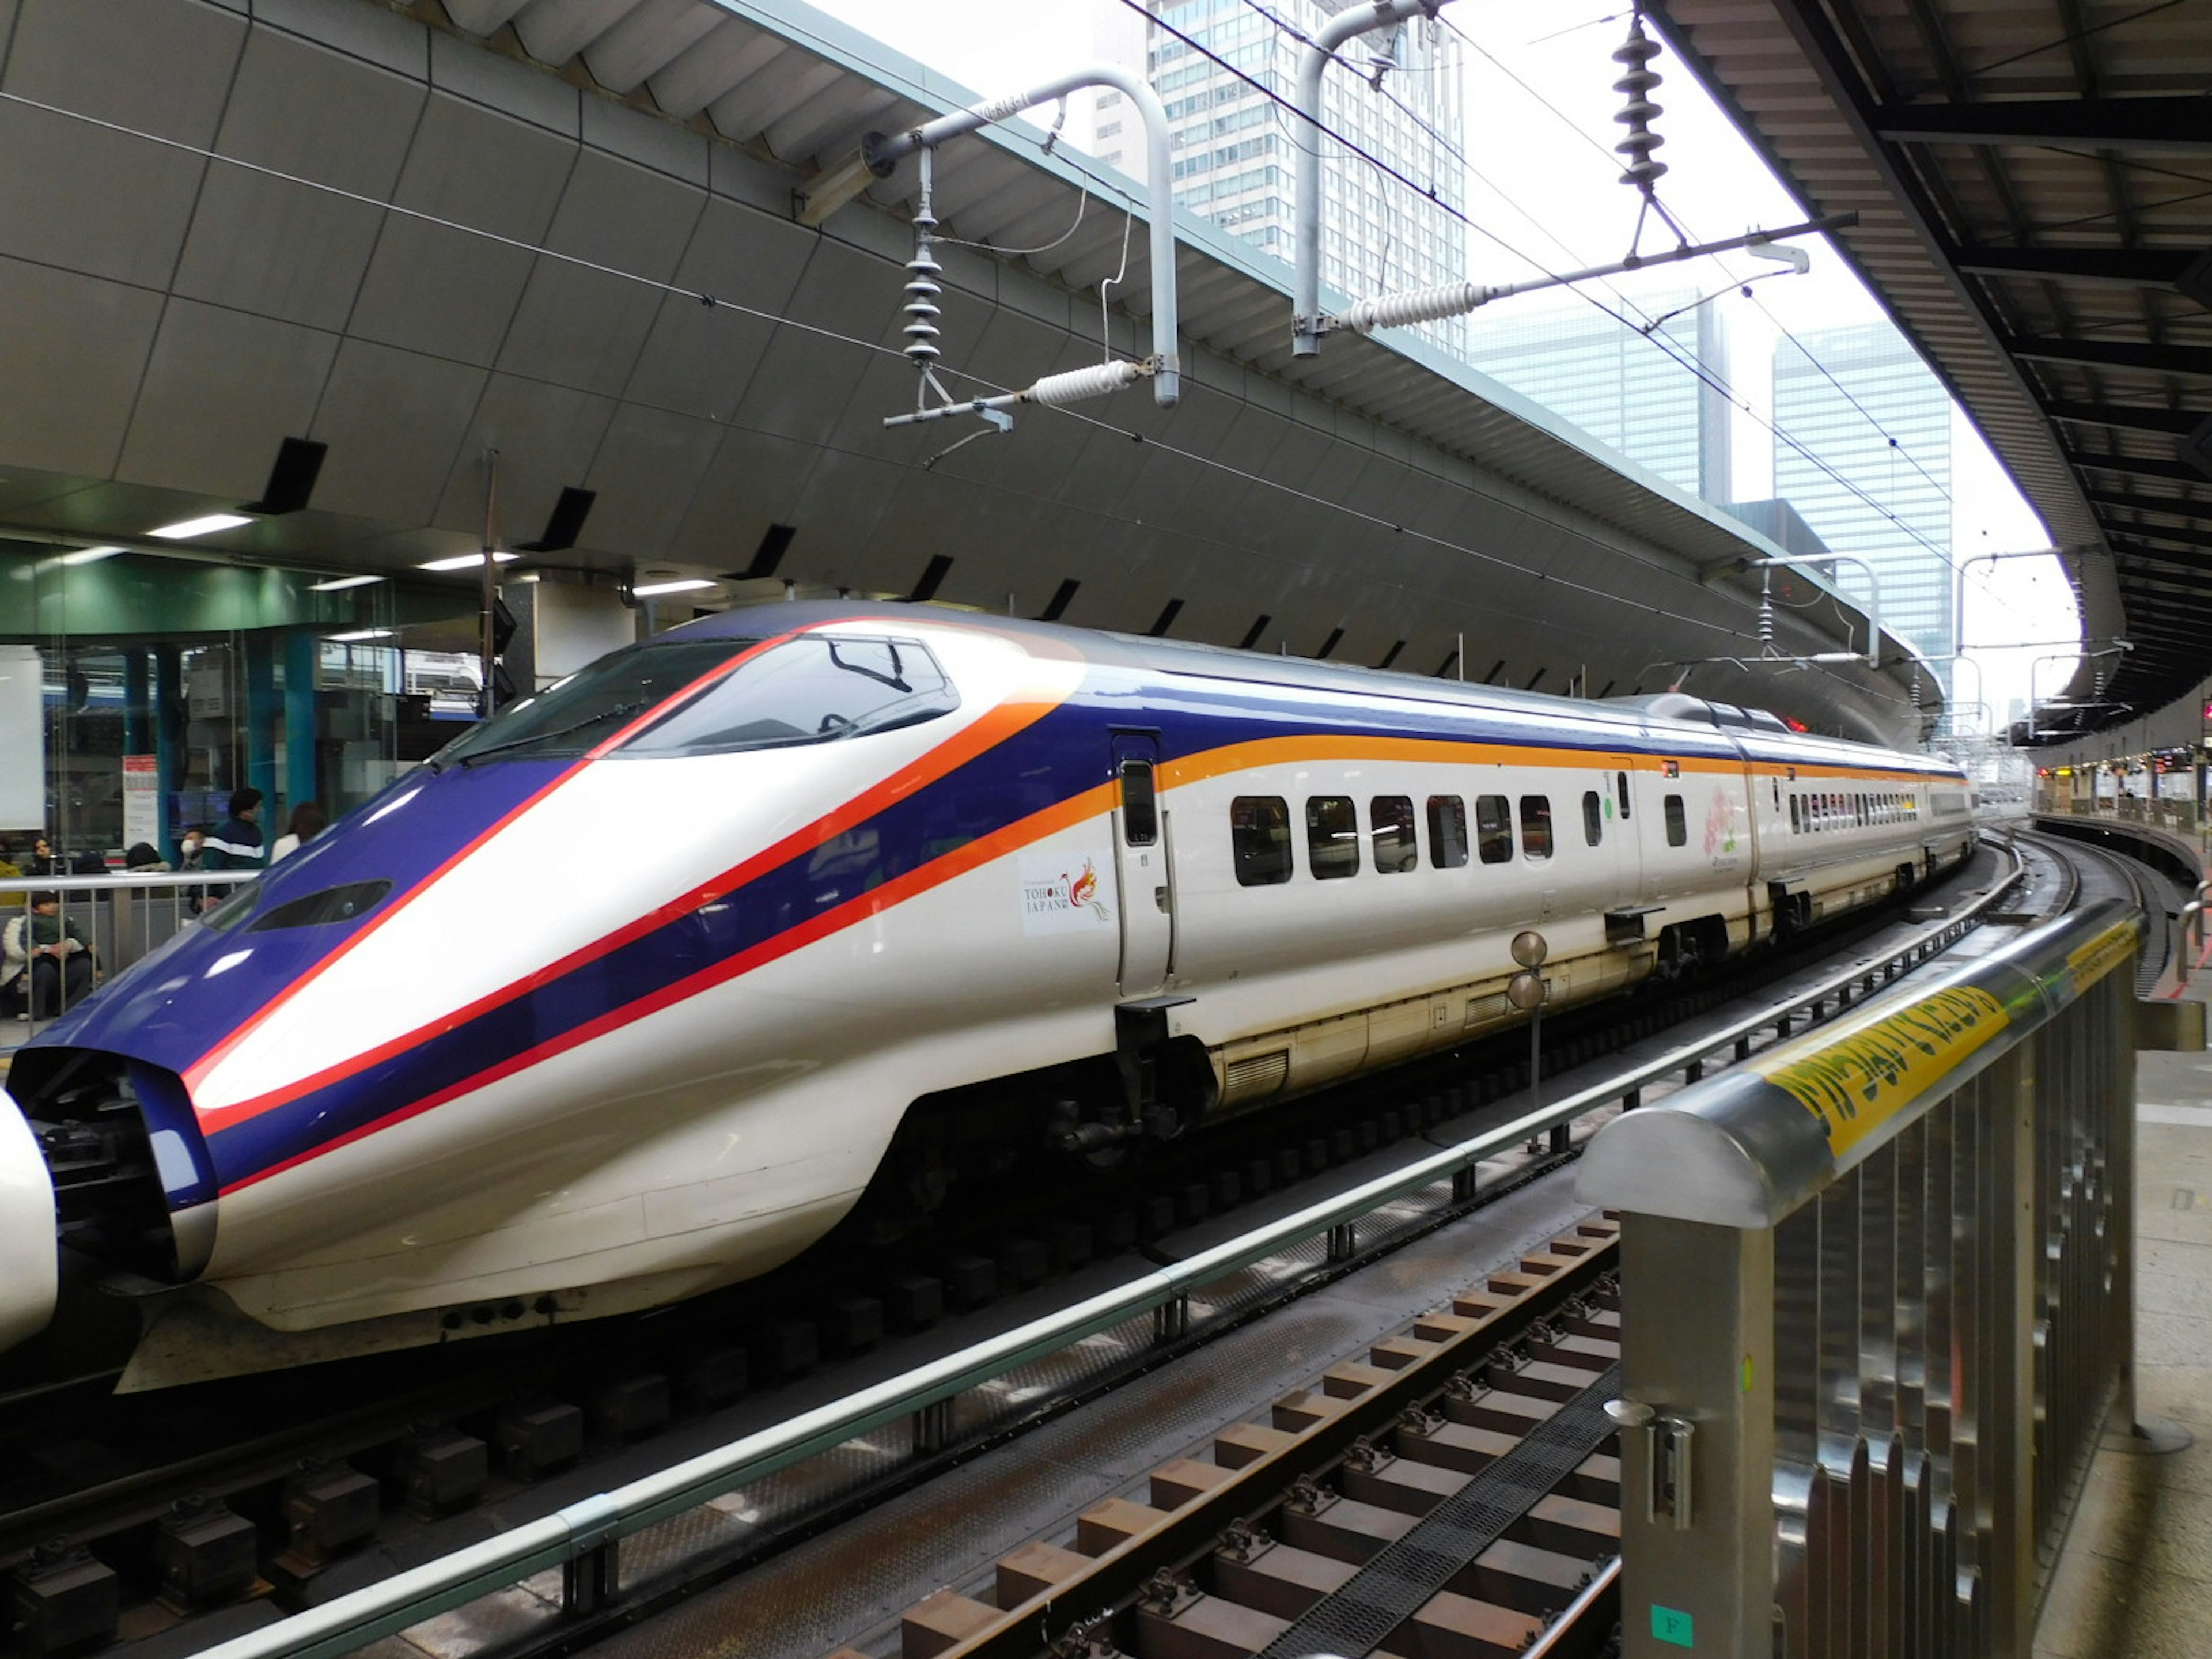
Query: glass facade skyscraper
[[1642, 397], [1234, 141], [1864, 453]]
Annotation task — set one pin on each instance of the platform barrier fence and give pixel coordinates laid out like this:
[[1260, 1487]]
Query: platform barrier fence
[[1879, 1308], [118, 920]]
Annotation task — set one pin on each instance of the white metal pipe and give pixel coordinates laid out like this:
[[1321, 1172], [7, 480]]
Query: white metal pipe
[[1871, 610], [1166, 363], [1306, 102]]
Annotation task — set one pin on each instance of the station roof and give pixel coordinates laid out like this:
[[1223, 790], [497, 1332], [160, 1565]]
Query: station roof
[[417, 235], [2033, 183]]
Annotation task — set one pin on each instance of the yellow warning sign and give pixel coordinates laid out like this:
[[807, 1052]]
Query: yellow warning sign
[[1857, 1080], [2101, 955]]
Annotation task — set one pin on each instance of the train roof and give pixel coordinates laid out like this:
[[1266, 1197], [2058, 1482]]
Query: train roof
[[1759, 733]]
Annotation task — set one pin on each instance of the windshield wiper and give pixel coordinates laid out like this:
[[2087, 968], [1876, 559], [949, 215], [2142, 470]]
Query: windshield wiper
[[589, 720]]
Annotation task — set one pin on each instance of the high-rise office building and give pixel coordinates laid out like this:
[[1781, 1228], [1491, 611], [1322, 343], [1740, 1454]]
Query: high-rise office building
[[1225, 70], [1643, 397], [1863, 451]]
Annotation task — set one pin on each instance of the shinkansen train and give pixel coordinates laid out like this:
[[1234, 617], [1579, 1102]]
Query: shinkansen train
[[634, 991]]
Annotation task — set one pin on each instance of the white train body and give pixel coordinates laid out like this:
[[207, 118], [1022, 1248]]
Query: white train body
[[627, 995]]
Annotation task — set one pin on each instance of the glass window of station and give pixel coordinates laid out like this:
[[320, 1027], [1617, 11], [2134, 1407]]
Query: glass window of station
[[138, 691]]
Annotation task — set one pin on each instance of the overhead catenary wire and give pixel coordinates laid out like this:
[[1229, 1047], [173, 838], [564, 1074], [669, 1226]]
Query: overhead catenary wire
[[1568, 122], [874, 348], [1565, 585], [1701, 371]]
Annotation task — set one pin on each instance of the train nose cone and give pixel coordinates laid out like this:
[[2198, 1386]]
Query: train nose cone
[[28, 1261]]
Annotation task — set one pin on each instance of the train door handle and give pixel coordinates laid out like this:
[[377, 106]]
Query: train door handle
[[1160, 897]]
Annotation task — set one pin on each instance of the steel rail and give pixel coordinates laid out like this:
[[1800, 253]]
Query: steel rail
[[351, 1621]]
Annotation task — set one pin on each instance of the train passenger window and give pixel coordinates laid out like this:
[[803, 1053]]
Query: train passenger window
[[1332, 837], [1260, 840], [1678, 822], [1493, 829], [1140, 807], [1446, 831], [1536, 826], [1395, 849], [1593, 818], [1795, 826], [1621, 788]]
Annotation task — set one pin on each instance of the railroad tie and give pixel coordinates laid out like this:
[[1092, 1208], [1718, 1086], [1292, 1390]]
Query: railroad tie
[[1399, 1579]]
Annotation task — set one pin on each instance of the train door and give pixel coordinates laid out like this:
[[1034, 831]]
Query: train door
[[1623, 847], [1140, 867]]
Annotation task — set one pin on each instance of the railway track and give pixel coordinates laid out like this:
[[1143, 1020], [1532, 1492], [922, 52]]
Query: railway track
[[188, 1552], [1457, 1486]]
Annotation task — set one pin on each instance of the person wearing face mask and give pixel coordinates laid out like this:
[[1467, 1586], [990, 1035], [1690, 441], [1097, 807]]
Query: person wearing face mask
[[191, 847]]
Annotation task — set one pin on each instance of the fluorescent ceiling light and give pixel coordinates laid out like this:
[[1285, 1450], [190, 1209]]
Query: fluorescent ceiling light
[[359, 634], [206, 527], [337, 582], [90, 555], [689, 584], [467, 562]]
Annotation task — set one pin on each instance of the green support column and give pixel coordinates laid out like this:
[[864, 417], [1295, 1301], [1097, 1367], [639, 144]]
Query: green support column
[[137, 712], [300, 654], [169, 737], [261, 705]]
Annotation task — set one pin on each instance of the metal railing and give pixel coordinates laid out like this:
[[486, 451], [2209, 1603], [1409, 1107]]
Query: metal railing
[[120, 919], [1878, 1303], [2181, 817]]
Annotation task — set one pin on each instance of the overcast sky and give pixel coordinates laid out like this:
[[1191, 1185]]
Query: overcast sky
[[1544, 189]]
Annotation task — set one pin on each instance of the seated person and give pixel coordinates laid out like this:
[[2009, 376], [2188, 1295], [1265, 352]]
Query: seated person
[[44, 956]]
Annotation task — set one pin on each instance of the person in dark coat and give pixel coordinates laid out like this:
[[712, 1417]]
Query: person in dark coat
[[236, 842], [46, 956]]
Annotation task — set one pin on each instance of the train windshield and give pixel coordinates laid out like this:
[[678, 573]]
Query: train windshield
[[812, 688]]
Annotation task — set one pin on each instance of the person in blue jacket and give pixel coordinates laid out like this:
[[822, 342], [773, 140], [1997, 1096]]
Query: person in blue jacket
[[235, 843]]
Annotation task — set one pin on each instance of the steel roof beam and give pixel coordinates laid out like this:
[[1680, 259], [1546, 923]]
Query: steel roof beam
[[2195, 361], [2137, 466], [2129, 417], [2123, 267], [2181, 124], [2157, 532], [2129, 502]]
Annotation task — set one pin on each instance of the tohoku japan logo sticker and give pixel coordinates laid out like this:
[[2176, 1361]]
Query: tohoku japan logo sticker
[[1060, 894]]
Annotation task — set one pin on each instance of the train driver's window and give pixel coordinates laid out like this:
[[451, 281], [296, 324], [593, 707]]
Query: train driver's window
[[1536, 826], [1446, 831], [1140, 812], [1621, 788], [1593, 818], [1678, 822], [1260, 836], [1395, 849], [1493, 829], [1331, 837]]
